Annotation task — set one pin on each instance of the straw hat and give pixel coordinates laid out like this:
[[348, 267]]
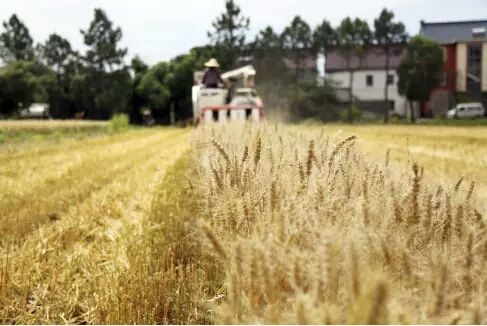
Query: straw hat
[[212, 63]]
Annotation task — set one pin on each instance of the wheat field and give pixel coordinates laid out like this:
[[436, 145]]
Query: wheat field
[[306, 224]]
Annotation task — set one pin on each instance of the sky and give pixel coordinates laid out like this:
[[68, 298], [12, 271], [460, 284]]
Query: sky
[[158, 30]]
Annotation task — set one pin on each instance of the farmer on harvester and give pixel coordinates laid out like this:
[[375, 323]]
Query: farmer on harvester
[[212, 76]]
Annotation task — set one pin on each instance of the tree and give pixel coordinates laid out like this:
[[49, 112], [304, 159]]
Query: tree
[[115, 93], [180, 82], [354, 36], [296, 38], [21, 83], [139, 69], [324, 36], [267, 51], [55, 53], [387, 33], [420, 71], [266, 40], [104, 82], [316, 102], [15, 41], [153, 87], [102, 40], [229, 32], [200, 54]]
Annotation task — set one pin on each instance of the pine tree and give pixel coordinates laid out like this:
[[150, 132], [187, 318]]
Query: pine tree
[[229, 33], [387, 33], [15, 41], [102, 40], [297, 39], [354, 36], [420, 71]]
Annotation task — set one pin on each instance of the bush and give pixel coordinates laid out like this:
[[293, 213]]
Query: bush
[[395, 118], [119, 123], [356, 114]]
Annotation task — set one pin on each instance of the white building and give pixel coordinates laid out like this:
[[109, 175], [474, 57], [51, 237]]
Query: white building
[[369, 77]]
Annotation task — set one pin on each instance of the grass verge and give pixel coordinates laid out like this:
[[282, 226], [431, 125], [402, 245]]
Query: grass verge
[[14, 132]]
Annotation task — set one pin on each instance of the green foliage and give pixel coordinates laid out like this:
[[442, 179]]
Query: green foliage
[[395, 118], [153, 86], [169, 83], [310, 101], [387, 33], [115, 93], [23, 82], [55, 53], [420, 71], [229, 32], [119, 122], [15, 41], [267, 51], [353, 114], [324, 36], [296, 42], [97, 84], [353, 37], [104, 84], [297, 36], [139, 69], [265, 41], [102, 40]]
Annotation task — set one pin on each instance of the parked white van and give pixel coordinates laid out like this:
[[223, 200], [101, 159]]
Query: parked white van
[[466, 111], [35, 111]]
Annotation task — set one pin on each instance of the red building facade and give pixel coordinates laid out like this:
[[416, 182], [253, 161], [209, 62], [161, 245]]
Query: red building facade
[[464, 45]]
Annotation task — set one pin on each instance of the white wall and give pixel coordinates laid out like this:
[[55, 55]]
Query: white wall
[[461, 67], [484, 67], [374, 92]]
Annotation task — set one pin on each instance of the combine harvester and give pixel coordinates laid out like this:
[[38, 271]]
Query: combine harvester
[[236, 101]]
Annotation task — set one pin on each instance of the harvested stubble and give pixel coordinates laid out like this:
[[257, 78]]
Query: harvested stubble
[[69, 265], [309, 230]]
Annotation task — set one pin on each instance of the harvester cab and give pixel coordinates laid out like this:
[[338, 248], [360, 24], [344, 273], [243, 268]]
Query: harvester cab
[[237, 100]]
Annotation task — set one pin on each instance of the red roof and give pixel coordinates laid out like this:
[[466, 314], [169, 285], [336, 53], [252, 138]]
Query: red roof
[[374, 59], [306, 61]]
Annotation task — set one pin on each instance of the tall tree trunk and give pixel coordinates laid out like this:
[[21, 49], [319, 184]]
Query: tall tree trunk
[[413, 114], [386, 88], [352, 99], [172, 113], [296, 74]]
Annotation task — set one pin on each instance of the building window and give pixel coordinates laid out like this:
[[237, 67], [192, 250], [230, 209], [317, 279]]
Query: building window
[[479, 32], [369, 80], [474, 67], [390, 79]]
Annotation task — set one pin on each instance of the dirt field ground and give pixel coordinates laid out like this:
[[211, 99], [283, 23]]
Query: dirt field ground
[[206, 226]]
